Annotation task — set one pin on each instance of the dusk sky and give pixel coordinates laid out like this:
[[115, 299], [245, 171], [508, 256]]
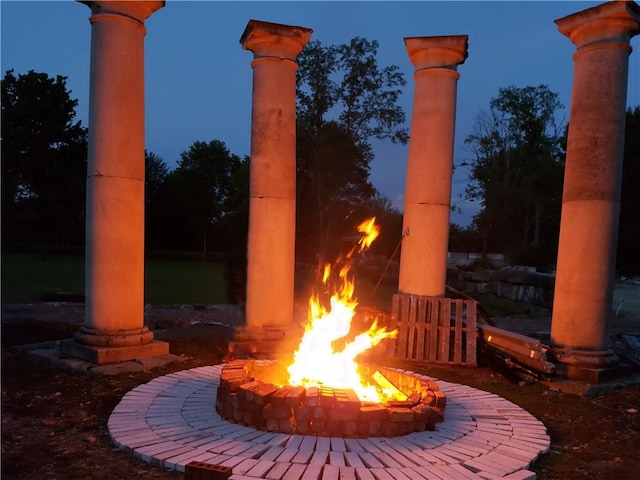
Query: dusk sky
[[198, 77]]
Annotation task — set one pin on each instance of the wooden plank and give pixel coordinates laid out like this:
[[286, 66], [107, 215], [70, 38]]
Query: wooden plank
[[426, 328], [411, 327], [471, 357], [402, 325], [421, 326], [444, 329], [506, 338], [437, 330], [393, 343], [433, 327], [457, 349], [525, 350]]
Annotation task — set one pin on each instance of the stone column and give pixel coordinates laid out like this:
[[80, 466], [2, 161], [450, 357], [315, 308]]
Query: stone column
[[423, 262], [114, 286], [580, 329], [272, 205]]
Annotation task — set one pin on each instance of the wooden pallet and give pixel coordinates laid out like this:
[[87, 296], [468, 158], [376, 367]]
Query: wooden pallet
[[434, 330]]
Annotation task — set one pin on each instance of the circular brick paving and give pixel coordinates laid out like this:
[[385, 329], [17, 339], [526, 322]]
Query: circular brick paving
[[171, 421]]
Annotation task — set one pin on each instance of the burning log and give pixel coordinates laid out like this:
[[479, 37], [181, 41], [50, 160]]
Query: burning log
[[385, 384]]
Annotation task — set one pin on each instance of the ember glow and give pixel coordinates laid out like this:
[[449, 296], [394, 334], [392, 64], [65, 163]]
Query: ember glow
[[316, 362]]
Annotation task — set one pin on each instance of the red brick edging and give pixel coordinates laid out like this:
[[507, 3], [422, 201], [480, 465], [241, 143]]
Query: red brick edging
[[243, 397]]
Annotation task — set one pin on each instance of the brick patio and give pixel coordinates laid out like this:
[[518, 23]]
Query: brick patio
[[171, 421]]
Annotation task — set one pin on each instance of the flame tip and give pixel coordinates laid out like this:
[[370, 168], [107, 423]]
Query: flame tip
[[315, 361]]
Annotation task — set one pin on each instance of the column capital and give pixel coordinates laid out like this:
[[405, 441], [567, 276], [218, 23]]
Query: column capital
[[267, 39], [437, 52], [138, 10], [612, 22]]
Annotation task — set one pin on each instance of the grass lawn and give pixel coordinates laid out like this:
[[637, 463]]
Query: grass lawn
[[26, 277]]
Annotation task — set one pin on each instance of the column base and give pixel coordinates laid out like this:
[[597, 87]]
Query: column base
[[104, 355], [114, 338], [273, 343], [587, 366]]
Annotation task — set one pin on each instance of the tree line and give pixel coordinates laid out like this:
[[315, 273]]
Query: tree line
[[345, 99]]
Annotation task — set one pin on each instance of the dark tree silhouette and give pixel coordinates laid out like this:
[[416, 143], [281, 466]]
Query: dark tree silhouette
[[192, 204], [44, 167], [517, 173], [628, 259], [344, 99]]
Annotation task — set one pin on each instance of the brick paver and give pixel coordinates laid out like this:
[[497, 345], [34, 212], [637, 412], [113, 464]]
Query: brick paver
[[172, 421]]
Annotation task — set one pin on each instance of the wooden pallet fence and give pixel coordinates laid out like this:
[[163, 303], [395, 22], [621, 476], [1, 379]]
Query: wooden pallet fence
[[434, 330]]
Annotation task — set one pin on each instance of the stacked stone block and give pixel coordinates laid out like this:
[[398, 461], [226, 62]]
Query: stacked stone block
[[516, 290]]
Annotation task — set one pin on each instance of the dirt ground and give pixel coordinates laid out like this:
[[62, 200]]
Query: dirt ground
[[54, 421]]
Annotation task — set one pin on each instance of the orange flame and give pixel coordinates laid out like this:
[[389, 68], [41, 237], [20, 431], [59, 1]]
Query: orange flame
[[316, 362], [371, 232]]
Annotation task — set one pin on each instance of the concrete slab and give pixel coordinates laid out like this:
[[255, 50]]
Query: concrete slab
[[589, 390], [106, 355], [52, 355]]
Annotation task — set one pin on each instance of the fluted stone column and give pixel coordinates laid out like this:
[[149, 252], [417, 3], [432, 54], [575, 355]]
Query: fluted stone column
[[423, 262], [272, 205], [580, 329], [114, 286]]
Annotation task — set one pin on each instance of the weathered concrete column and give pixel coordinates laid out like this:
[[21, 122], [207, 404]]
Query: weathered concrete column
[[272, 205], [591, 195], [114, 286], [423, 262]]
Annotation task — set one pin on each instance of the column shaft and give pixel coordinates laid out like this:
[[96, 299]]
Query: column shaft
[[114, 266], [423, 262], [272, 204], [593, 174]]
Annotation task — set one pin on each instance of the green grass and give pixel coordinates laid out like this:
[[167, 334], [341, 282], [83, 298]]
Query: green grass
[[25, 278], [169, 282]]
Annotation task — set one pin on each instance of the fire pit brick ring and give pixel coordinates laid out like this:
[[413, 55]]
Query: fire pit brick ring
[[245, 396], [171, 421]]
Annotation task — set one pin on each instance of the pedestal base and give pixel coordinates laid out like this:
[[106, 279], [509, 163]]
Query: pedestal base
[[587, 366], [104, 355], [592, 375]]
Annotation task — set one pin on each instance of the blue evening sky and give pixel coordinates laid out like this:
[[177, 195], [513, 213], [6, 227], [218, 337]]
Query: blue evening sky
[[198, 77]]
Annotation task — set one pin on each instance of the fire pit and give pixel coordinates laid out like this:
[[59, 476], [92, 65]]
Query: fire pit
[[248, 394], [171, 422], [325, 390]]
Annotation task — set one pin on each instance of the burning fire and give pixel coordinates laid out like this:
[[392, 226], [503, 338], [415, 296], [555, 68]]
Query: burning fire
[[316, 362]]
